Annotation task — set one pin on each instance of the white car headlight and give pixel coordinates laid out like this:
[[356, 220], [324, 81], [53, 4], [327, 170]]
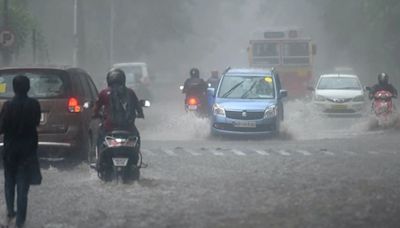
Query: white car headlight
[[218, 110], [270, 112], [359, 98], [319, 98]]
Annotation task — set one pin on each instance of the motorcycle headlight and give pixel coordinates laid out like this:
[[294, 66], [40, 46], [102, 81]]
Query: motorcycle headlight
[[359, 98], [319, 98], [270, 112], [218, 110]]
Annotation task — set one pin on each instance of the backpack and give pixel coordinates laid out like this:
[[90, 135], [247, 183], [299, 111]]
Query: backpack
[[122, 107]]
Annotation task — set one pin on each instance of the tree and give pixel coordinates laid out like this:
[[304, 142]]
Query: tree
[[21, 22]]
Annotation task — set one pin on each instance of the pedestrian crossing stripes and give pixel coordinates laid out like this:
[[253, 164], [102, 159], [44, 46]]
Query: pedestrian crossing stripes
[[220, 152]]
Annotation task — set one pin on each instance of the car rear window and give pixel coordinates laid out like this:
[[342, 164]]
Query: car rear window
[[44, 83]]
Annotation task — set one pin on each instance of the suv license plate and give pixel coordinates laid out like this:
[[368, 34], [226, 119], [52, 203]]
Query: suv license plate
[[245, 124], [192, 107], [120, 162]]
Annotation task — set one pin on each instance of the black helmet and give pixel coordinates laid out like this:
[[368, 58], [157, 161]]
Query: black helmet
[[194, 73], [116, 77], [383, 78]]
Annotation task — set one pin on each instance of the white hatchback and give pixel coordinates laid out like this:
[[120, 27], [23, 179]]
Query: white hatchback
[[339, 94]]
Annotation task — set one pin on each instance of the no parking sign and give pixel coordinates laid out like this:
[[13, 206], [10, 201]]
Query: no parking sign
[[7, 38]]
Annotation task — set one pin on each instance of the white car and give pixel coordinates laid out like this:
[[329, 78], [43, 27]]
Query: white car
[[339, 94]]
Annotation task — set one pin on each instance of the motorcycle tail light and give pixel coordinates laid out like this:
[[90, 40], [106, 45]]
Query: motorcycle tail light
[[118, 142], [192, 101]]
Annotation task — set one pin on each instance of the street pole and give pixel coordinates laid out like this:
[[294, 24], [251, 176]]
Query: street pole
[[6, 54], [76, 40], [5, 13], [112, 18]]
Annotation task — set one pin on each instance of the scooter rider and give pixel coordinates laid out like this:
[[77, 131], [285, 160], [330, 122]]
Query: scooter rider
[[119, 106], [195, 86], [383, 84], [213, 80]]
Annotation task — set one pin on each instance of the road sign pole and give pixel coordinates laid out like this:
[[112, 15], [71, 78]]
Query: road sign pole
[[5, 52]]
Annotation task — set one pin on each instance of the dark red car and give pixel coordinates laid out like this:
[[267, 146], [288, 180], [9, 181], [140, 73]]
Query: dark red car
[[66, 96]]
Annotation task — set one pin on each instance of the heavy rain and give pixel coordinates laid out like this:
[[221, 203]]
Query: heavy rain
[[301, 128]]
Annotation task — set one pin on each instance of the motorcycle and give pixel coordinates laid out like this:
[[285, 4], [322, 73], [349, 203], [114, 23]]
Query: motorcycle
[[383, 108], [195, 104], [118, 157]]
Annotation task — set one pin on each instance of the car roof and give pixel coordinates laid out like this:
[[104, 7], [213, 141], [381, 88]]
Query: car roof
[[129, 64], [250, 71], [40, 67], [339, 76]]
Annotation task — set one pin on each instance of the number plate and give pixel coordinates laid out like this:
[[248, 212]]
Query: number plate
[[192, 107], [246, 124], [120, 162], [339, 107]]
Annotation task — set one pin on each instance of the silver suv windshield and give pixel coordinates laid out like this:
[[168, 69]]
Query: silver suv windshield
[[247, 87]]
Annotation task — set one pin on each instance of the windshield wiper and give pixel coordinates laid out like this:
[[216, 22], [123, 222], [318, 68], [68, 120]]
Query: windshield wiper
[[232, 89], [245, 94]]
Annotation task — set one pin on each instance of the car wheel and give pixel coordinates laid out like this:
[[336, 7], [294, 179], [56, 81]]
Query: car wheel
[[277, 127]]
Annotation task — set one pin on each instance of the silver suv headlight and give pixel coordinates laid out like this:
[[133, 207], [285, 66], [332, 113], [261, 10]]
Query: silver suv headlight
[[218, 110], [271, 111]]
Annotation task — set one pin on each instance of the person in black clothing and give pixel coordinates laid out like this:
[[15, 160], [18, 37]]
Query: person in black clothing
[[214, 79], [195, 87], [383, 84], [19, 120]]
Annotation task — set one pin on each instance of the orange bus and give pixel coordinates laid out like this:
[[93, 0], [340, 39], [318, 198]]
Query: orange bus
[[289, 53]]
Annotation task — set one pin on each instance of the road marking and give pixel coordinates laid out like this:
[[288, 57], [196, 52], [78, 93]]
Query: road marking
[[261, 152], [283, 152], [349, 152], [304, 152], [169, 152], [217, 153], [327, 152], [192, 152], [238, 152], [373, 152], [147, 152]]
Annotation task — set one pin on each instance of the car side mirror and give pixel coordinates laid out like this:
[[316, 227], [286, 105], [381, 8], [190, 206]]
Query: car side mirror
[[145, 103], [211, 91], [283, 93]]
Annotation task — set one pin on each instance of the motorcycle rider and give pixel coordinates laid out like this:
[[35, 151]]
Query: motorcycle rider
[[383, 84], [119, 106], [195, 87], [213, 80]]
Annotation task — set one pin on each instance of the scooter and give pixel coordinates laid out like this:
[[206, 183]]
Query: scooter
[[383, 108], [118, 158], [196, 105]]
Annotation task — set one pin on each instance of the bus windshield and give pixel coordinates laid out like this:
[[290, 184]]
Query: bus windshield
[[296, 53], [266, 52]]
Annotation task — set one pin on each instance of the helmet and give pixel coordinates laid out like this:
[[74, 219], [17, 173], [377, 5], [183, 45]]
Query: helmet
[[116, 77], [214, 74], [383, 78], [194, 73]]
